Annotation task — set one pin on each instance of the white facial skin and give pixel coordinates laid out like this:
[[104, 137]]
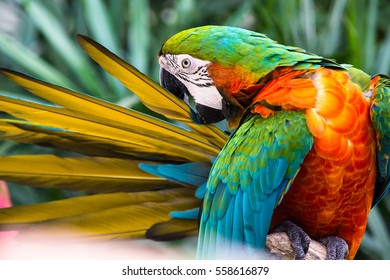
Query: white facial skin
[[192, 72]]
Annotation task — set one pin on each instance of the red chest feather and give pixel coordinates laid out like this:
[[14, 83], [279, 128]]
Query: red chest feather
[[332, 193]]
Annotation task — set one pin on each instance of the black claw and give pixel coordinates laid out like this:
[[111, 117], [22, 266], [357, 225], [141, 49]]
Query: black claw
[[336, 247], [300, 240]]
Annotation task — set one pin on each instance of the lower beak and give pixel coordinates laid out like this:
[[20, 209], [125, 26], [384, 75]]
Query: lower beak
[[203, 114], [173, 85]]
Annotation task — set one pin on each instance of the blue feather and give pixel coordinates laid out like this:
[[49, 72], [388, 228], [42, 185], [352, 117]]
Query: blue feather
[[238, 219], [207, 202], [216, 204], [229, 223], [191, 214], [248, 218], [224, 203], [150, 168], [200, 192], [203, 240], [221, 237], [194, 173]]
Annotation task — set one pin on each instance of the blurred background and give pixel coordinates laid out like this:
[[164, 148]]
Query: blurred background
[[37, 37]]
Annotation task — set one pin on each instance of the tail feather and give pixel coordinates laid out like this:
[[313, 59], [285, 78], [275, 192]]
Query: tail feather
[[29, 133], [127, 221], [102, 112], [143, 171], [173, 229], [97, 216], [144, 142], [88, 174], [24, 215]]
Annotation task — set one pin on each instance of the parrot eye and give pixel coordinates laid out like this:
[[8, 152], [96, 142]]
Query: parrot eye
[[186, 62]]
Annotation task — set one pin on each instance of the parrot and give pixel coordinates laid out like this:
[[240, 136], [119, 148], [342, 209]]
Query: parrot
[[307, 154]]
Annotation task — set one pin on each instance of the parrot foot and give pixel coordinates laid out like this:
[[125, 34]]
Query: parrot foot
[[336, 247], [300, 240]]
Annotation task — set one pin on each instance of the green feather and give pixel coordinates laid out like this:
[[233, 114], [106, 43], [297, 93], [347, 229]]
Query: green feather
[[359, 77], [232, 46], [380, 116], [251, 174]]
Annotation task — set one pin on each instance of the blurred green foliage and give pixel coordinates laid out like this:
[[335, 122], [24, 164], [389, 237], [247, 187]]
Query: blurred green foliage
[[38, 37]]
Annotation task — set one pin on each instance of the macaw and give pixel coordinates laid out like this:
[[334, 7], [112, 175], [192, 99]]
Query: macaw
[[292, 112], [310, 148]]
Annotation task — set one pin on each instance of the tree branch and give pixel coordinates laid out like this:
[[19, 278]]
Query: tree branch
[[280, 245]]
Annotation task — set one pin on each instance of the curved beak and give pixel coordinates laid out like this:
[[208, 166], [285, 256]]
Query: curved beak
[[173, 85], [203, 114]]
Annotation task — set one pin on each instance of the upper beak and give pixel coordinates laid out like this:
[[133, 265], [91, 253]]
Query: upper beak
[[161, 61], [164, 63], [173, 85]]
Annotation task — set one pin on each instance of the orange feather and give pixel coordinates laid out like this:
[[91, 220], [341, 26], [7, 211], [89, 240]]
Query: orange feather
[[333, 191]]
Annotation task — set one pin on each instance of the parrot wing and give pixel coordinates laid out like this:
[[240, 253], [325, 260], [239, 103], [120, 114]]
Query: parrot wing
[[90, 119], [86, 174], [100, 216], [108, 144], [248, 179], [380, 116]]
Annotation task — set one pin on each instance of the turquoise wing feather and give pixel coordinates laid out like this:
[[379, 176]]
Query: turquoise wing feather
[[380, 116], [247, 181], [192, 174]]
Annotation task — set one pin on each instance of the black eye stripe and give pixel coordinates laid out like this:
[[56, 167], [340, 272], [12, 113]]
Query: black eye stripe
[[193, 81], [200, 68], [172, 61]]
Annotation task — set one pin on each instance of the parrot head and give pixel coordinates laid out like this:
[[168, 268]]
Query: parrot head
[[193, 64], [187, 78], [214, 69]]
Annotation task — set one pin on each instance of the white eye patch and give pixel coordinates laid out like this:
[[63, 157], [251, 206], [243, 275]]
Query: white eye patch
[[193, 73]]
